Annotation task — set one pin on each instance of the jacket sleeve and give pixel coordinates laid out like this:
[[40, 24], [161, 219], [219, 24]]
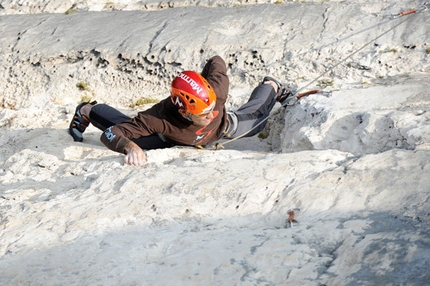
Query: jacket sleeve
[[215, 71], [114, 139]]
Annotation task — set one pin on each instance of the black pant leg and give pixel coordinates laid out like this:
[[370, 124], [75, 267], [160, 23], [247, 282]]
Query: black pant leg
[[104, 116]]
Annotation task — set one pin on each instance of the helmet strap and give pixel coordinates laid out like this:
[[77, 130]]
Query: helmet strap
[[189, 117], [186, 114]]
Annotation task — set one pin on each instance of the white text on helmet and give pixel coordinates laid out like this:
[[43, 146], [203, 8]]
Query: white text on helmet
[[191, 82]]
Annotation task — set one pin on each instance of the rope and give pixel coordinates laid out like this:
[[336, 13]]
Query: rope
[[421, 8], [410, 12]]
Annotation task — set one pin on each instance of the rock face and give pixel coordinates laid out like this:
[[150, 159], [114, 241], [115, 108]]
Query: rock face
[[124, 55], [350, 161], [362, 121]]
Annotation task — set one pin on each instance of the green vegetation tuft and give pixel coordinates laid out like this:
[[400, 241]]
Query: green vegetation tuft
[[427, 51], [82, 85], [70, 11], [109, 4], [326, 82], [86, 98], [263, 134], [388, 51], [142, 101]]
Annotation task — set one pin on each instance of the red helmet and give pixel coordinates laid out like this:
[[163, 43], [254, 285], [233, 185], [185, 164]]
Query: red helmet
[[192, 92]]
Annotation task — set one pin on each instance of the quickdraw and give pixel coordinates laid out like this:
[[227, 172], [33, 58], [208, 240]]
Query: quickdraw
[[421, 8], [291, 220]]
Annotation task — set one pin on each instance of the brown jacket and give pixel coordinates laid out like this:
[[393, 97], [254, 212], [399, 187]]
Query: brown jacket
[[165, 119]]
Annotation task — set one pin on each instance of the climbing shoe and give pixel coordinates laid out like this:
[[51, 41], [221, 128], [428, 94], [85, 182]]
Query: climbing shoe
[[79, 122], [283, 95]]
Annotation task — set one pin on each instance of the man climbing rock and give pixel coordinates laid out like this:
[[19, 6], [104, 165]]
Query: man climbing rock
[[193, 115]]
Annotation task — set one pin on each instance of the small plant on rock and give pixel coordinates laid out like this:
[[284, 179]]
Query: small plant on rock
[[70, 11], [82, 85], [86, 98], [388, 51], [326, 82], [142, 101]]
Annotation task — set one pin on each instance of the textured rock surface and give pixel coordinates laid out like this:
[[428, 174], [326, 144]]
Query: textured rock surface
[[352, 161]]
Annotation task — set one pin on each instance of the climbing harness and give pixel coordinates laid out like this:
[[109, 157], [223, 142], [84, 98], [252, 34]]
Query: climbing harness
[[299, 95]]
